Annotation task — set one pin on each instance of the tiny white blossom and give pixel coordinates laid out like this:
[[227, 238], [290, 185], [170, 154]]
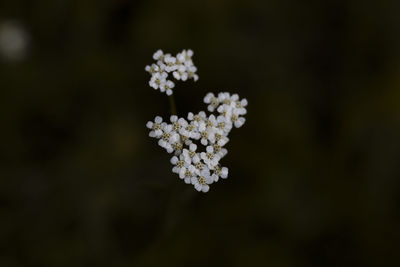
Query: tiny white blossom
[[220, 139], [210, 158], [219, 172], [158, 55], [190, 172], [177, 147], [156, 127], [168, 138], [234, 98], [225, 110], [223, 96], [178, 123], [181, 166], [212, 100], [202, 181], [170, 63], [207, 134], [152, 69], [191, 70], [185, 57], [224, 124], [219, 150], [158, 80], [187, 141], [190, 154], [167, 87], [237, 120], [180, 73], [198, 118], [211, 121], [189, 130], [240, 107]]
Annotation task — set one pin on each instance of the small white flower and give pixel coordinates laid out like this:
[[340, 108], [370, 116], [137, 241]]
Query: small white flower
[[225, 110], [211, 121], [181, 166], [168, 138], [179, 126], [191, 70], [167, 87], [224, 124], [156, 127], [190, 154], [208, 130], [180, 73], [198, 118], [212, 101], [181, 57], [210, 158], [158, 79], [161, 66], [220, 139], [152, 69], [190, 172], [189, 53], [223, 96], [219, 172], [185, 57], [206, 133], [177, 123], [177, 147], [199, 166], [233, 99], [188, 130], [219, 150], [237, 121], [202, 181], [240, 106], [170, 63], [158, 55], [185, 140]]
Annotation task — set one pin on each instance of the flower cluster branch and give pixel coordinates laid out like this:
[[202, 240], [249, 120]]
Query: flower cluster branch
[[182, 137]]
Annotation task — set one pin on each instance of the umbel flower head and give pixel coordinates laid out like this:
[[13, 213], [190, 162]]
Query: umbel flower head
[[181, 66], [197, 142]]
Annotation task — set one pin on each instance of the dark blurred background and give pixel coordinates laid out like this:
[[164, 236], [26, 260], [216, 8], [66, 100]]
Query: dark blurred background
[[314, 173]]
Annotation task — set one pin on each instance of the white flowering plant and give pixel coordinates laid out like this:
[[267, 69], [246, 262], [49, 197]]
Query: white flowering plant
[[182, 137]]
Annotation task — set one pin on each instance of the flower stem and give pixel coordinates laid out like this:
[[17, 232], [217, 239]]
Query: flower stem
[[172, 105]]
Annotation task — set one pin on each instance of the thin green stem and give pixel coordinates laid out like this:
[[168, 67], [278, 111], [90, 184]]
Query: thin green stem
[[172, 105]]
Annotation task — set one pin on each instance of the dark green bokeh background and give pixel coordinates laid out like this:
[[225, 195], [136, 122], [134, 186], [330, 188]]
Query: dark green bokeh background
[[314, 173]]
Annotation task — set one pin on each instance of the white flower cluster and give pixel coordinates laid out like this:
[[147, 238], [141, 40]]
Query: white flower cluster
[[183, 136], [181, 66]]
